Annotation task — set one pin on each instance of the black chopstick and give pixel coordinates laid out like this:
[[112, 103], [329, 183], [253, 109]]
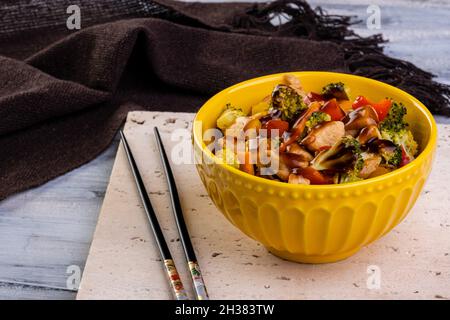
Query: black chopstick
[[166, 256], [194, 268]]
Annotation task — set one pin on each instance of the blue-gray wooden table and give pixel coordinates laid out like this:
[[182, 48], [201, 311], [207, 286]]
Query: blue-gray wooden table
[[45, 233]]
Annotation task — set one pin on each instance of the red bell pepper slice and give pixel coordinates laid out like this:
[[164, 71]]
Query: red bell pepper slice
[[361, 101], [333, 109], [276, 124], [382, 107], [314, 176]]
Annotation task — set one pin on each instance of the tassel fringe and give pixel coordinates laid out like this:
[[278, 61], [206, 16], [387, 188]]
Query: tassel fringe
[[364, 55]]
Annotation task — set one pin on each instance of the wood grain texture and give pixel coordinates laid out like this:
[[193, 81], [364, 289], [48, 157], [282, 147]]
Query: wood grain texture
[[44, 230], [47, 229], [14, 291]]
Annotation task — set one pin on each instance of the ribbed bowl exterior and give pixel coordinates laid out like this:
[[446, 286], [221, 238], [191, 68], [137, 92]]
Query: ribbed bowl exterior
[[316, 224]]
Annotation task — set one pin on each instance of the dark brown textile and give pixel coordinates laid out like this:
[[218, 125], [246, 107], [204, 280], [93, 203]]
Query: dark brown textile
[[63, 97]]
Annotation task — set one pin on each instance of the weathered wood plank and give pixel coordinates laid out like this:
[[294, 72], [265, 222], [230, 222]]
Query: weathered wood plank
[[47, 229], [18, 292], [420, 35]]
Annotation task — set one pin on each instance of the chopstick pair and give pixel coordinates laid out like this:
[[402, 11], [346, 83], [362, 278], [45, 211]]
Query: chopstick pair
[[168, 263]]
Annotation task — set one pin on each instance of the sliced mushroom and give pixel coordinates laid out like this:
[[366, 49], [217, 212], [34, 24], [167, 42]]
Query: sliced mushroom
[[324, 135], [371, 163], [391, 153], [297, 179], [296, 149], [337, 158], [368, 133], [293, 160], [360, 118]]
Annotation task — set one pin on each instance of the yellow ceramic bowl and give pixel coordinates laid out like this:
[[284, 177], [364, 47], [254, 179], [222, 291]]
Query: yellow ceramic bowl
[[314, 223]]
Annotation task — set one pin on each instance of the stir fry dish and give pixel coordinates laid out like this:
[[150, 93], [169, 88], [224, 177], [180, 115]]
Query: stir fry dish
[[316, 137]]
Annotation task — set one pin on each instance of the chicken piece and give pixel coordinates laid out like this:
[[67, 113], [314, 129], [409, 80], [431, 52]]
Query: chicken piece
[[237, 128], [371, 163], [297, 179], [324, 135], [294, 83], [296, 149]]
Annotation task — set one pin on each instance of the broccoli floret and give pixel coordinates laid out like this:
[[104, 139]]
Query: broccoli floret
[[350, 176], [389, 151], [354, 145], [317, 118], [405, 139], [351, 142], [335, 90], [352, 173], [392, 157], [394, 128], [394, 121], [288, 101], [228, 117]]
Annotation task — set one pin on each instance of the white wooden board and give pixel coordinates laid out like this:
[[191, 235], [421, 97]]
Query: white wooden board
[[413, 259]]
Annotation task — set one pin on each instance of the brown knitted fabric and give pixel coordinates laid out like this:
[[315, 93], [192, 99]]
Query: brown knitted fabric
[[62, 102]]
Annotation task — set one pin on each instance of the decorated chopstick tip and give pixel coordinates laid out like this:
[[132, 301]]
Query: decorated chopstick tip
[[197, 279], [175, 280]]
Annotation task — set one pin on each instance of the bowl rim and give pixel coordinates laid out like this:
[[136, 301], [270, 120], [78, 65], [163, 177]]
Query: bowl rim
[[426, 152]]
